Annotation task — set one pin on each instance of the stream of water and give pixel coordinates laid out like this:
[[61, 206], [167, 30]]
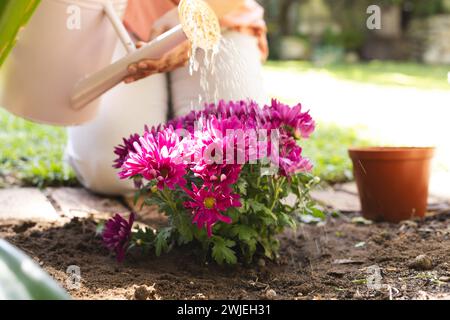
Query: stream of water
[[211, 54]]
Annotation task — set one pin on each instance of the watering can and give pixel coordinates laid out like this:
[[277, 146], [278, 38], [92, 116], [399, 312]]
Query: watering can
[[61, 62]]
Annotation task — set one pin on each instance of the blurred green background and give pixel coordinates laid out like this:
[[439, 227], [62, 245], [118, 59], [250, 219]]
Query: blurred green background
[[330, 31]]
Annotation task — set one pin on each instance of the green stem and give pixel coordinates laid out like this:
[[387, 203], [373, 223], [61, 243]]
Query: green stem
[[168, 197], [275, 191], [258, 185], [276, 185]]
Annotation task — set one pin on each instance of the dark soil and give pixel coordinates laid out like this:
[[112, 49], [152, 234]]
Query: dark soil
[[331, 260]]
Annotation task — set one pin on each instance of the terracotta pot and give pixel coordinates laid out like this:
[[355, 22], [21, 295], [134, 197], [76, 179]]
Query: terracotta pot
[[392, 182]]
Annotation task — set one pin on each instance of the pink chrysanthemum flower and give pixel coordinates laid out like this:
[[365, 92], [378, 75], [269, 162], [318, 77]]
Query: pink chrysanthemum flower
[[208, 206], [281, 114], [216, 159], [117, 235], [124, 149], [248, 113], [290, 158], [218, 174], [158, 157]]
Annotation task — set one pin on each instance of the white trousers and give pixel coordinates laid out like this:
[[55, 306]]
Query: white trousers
[[127, 108]]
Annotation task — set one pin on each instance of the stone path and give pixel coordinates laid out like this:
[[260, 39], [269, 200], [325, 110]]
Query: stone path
[[26, 204], [344, 198], [54, 204]]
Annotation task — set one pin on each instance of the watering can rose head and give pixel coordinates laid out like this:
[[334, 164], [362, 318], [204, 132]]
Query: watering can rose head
[[205, 169]]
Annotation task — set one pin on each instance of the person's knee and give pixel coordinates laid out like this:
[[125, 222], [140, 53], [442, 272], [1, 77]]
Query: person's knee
[[98, 175]]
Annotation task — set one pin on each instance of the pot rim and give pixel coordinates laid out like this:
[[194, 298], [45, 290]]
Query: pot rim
[[391, 153]]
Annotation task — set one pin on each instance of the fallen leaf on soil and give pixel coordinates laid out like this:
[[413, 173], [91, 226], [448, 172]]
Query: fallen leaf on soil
[[347, 261], [360, 281], [360, 244], [361, 220], [426, 230]]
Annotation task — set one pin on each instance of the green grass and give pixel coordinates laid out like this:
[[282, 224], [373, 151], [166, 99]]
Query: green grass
[[31, 154], [327, 148], [403, 74]]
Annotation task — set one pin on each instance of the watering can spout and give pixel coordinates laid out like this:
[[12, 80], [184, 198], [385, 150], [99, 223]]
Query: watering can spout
[[93, 86], [205, 36]]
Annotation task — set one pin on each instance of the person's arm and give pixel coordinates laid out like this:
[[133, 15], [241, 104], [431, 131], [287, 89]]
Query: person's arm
[[224, 7], [179, 56]]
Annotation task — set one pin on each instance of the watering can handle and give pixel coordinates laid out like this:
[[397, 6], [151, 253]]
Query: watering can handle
[[123, 34], [96, 84]]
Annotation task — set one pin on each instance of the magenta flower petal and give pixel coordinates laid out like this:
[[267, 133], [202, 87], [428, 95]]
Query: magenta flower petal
[[157, 157], [281, 115], [123, 150], [208, 206], [117, 234]]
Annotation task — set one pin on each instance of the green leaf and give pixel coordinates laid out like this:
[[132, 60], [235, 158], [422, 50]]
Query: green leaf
[[243, 232], [317, 213], [221, 251], [184, 227], [244, 208], [255, 205], [161, 241], [286, 220], [144, 238], [270, 246], [242, 187], [251, 244]]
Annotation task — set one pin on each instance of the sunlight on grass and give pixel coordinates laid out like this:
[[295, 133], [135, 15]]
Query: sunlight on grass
[[327, 149], [32, 154], [375, 72]]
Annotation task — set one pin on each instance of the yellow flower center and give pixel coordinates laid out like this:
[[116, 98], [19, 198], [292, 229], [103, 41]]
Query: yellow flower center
[[209, 202]]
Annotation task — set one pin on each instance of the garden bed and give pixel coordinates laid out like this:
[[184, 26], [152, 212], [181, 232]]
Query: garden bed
[[325, 261]]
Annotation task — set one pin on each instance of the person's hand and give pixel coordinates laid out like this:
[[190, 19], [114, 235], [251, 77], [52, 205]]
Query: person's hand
[[222, 8], [174, 59], [179, 56]]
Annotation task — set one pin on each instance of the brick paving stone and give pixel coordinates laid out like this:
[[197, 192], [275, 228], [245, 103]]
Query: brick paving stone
[[349, 187], [147, 214], [78, 202], [26, 204], [338, 200]]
